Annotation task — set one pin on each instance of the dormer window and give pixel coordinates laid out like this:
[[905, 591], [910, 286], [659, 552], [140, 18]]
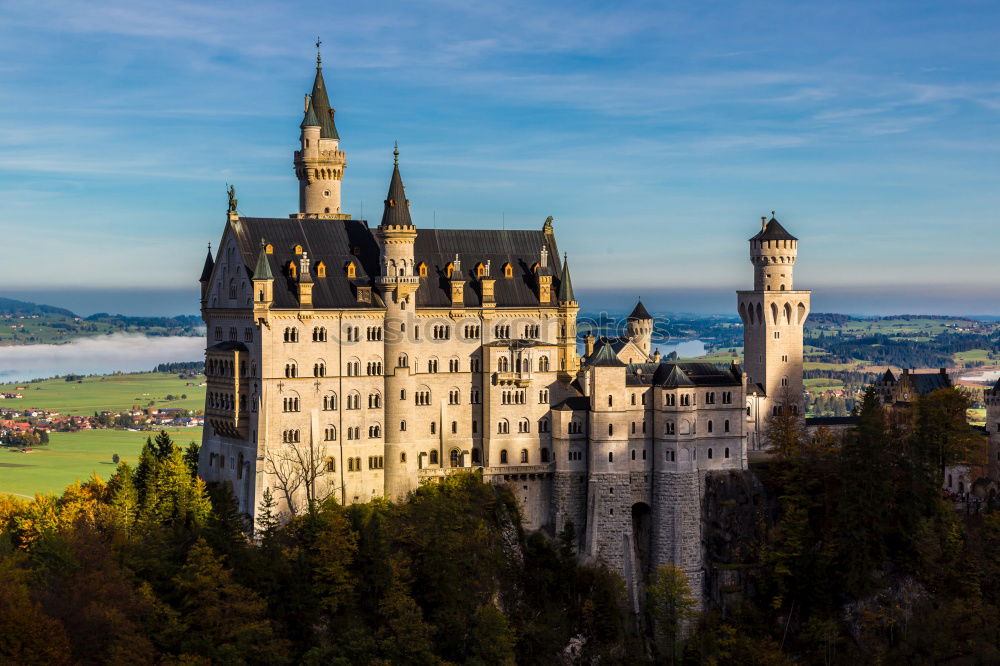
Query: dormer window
[[480, 270], [321, 270], [422, 269], [534, 268], [508, 271], [268, 249], [298, 249], [352, 271], [449, 270], [292, 269]]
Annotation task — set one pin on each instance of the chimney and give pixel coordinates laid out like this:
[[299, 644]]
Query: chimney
[[588, 341], [656, 356], [763, 222]]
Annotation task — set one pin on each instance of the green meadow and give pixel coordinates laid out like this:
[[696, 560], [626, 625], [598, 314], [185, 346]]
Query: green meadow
[[111, 392], [72, 456]]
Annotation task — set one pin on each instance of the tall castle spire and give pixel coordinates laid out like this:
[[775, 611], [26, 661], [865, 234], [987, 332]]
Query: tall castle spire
[[319, 162], [397, 206]]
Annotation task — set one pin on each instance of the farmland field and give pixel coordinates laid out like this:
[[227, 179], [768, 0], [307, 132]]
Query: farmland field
[[111, 392], [72, 456]]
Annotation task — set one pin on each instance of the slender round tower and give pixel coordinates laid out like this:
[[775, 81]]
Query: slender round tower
[[319, 162], [774, 316], [640, 328], [398, 283]]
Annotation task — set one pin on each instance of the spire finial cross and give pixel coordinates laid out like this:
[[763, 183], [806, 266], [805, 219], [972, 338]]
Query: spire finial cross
[[395, 153], [319, 59]]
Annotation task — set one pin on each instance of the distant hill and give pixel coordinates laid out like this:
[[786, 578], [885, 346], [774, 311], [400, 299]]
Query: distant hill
[[26, 323], [8, 306]]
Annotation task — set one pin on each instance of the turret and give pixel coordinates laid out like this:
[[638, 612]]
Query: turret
[[206, 276], [773, 252], [397, 283], [568, 308], [319, 162], [263, 283], [640, 328]]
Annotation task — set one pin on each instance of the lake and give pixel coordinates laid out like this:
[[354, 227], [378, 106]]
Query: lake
[[126, 352], [132, 352]]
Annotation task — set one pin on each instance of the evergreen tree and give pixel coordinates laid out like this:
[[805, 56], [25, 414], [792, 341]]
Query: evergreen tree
[[191, 457], [124, 499], [224, 621], [865, 497]]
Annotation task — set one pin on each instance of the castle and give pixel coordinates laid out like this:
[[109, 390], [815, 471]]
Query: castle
[[357, 362]]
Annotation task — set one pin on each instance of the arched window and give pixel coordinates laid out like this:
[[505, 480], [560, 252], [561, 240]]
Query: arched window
[[710, 427], [611, 456], [422, 269], [330, 433], [292, 269], [545, 455], [710, 454], [503, 365], [611, 401], [449, 270], [453, 458], [268, 249], [727, 451], [480, 270], [321, 270], [352, 270], [434, 457], [331, 466], [524, 456], [475, 455], [503, 457], [298, 249], [725, 425], [508, 271], [543, 364], [611, 429]]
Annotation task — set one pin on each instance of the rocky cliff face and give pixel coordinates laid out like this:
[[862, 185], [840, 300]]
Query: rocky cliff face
[[736, 511]]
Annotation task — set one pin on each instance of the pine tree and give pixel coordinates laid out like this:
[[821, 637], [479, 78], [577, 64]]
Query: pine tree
[[124, 497], [865, 496], [225, 622]]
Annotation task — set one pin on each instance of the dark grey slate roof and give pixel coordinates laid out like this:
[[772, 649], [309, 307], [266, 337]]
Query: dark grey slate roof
[[329, 241], [262, 270], [996, 388], [639, 312], [773, 231], [397, 206], [333, 242], [321, 103], [206, 271], [605, 356], [566, 294], [888, 377], [926, 383], [673, 374], [520, 248], [310, 119]]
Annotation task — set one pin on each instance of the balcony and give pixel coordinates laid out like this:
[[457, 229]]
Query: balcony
[[519, 379]]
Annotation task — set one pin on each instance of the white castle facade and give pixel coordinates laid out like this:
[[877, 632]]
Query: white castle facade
[[353, 362]]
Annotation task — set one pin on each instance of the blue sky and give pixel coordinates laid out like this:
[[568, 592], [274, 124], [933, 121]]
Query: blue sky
[[656, 133]]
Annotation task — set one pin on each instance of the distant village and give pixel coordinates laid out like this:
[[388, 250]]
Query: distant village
[[29, 426]]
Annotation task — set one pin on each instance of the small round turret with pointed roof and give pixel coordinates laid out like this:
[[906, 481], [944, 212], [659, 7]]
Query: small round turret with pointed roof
[[773, 252]]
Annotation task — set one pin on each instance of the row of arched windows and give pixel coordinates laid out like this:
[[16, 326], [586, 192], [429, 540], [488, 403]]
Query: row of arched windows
[[523, 458]]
